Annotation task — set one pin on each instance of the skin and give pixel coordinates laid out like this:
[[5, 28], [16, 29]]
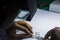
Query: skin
[[53, 33], [20, 25]]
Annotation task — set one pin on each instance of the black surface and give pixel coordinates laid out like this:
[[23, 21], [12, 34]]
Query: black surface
[[32, 8], [29, 5]]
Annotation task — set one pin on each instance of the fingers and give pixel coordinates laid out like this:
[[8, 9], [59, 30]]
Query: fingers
[[29, 27], [25, 24], [22, 28], [21, 22], [20, 36]]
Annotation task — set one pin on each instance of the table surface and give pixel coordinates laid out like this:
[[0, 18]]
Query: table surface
[[43, 21]]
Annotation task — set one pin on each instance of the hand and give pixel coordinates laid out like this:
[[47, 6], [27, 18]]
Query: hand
[[20, 25], [53, 34]]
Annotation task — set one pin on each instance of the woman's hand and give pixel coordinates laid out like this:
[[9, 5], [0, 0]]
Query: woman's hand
[[20, 25]]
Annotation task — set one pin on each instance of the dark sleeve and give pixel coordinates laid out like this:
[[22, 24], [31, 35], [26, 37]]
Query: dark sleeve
[[8, 12]]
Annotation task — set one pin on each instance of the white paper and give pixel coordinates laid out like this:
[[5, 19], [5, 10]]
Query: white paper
[[20, 32], [23, 13], [43, 21]]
